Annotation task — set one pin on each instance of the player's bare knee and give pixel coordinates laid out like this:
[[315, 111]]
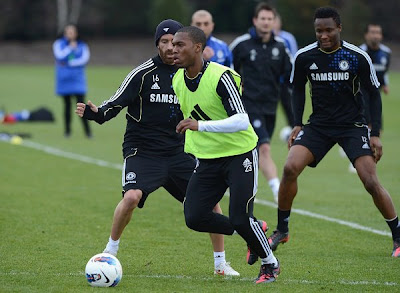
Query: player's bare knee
[[372, 186], [290, 171], [132, 198]]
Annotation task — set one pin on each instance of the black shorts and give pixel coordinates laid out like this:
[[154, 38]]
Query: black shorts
[[212, 177], [149, 173], [264, 125], [320, 139]]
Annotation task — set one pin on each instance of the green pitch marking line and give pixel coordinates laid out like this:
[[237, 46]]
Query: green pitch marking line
[[328, 219]]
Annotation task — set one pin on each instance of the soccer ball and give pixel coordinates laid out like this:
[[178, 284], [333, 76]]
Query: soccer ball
[[284, 133], [103, 270]]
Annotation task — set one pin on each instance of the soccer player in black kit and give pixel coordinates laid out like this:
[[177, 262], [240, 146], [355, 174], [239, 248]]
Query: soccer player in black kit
[[153, 151], [335, 70], [262, 59], [380, 56], [379, 53]]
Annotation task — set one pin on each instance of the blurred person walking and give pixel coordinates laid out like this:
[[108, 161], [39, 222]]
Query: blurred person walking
[[261, 59], [216, 50], [71, 56], [380, 56]]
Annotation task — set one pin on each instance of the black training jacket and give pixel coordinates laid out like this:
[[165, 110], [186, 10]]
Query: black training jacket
[[261, 65], [153, 110]]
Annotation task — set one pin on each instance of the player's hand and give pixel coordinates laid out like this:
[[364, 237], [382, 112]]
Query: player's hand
[[293, 135], [208, 53], [93, 107], [376, 147], [186, 124], [80, 108], [386, 89]]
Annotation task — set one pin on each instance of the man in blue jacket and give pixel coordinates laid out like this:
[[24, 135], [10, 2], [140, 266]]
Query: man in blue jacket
[[216, 50]]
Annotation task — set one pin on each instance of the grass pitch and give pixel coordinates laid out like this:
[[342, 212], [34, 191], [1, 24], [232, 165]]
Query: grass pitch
[[56, 209]]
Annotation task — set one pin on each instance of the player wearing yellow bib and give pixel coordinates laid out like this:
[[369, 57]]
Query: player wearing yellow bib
[[219, 134], [207, 145]]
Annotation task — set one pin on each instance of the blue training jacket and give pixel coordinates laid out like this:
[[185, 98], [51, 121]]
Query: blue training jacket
[[70, 75], [222, 54]]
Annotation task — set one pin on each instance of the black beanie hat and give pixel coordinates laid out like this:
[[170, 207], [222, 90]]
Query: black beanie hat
[[167, 26]]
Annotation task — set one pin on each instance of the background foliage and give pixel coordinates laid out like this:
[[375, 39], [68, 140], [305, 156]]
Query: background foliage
[[32, 20]]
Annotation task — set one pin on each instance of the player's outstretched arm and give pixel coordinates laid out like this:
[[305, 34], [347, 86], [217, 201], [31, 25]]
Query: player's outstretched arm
[[80, 108]]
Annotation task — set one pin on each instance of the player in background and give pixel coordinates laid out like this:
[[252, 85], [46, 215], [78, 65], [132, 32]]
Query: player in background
[[261, 59], [380, 56], [218, 133], [216, 50], [288, 38], [152, 150], [336, 70], [285, 92]]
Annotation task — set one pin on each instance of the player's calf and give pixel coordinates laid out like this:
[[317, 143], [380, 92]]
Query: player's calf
[[251, 256]]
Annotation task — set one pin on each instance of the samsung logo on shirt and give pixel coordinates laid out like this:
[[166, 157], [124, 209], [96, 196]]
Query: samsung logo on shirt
[[330, 76], [164, 98]]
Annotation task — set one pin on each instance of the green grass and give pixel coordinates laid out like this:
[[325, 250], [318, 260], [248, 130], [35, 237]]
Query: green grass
[[55, 212]]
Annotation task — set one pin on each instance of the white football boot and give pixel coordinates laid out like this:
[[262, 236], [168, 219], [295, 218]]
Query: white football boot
[[111, 249], [225, 269]]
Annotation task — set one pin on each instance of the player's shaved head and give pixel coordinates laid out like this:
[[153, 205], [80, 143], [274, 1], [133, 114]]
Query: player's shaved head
[[204, 21], [201, 13]]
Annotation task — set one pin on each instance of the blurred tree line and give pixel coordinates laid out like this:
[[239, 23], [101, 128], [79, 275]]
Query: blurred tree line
[[30, 20]]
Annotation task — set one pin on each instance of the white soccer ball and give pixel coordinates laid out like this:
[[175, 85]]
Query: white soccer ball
[[103, 270], [284, 133]]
